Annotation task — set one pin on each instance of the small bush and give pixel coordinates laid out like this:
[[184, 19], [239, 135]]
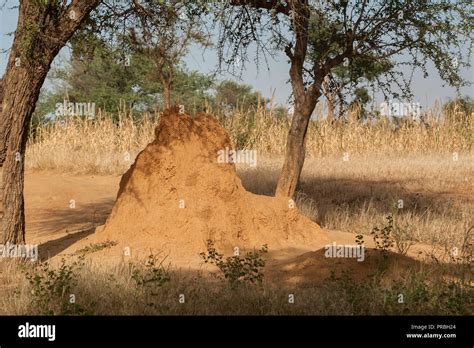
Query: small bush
[[52, 289], [151, 272], [235, 268], [415, 293], [383, 236]]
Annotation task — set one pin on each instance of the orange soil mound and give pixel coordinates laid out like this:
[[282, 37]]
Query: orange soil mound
[[180, 167]]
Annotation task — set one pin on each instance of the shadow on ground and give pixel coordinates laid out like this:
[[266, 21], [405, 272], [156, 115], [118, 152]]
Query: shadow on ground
[[353, 195], [77, 223], [56, 246], [71, 220]]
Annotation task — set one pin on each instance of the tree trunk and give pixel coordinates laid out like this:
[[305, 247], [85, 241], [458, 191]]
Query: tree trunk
[[165, 77], [305, 102], [330, 116], [19, 101], [32, 52], [295, 149], [166, 94], [3, 128]]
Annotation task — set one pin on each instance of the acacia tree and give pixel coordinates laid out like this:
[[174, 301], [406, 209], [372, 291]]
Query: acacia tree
[[319, 36], [345, 80], [316, 37], [164, 31], [161, 30], [43, 29]]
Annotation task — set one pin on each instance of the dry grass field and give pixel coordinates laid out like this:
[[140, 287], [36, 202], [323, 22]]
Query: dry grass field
[[356, 174]]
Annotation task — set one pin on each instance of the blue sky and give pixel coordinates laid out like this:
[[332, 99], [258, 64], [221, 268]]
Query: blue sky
[[268, 80]]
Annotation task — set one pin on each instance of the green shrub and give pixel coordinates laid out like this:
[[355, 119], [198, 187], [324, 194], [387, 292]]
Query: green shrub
[[52, 289], [236, 269], [151, 272]]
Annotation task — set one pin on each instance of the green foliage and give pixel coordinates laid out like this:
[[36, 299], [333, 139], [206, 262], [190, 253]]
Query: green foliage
[[236, 269], [370, 40], [108, 79], [51, 289], [230, 95], [151, 272], [160, 32], [192, 90], [105, 81], [416, 292], [443, 296], [392, 234], [111, 80], [366, 68], [361, 95], [280, 112]]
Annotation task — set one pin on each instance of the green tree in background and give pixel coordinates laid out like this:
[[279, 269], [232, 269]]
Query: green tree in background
[[112, 81], [349, 80], [193, 90], [230, 95]]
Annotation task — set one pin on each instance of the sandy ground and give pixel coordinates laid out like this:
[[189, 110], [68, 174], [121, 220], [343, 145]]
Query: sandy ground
[[62, 208], [59, 228], [140, 214]]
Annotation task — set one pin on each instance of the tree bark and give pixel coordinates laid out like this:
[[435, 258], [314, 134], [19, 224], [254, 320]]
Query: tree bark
[[305, 102], [20, 100], [330, 116], [330, 110], [295, 148], [3, 137], [166, 94], [32, 53]]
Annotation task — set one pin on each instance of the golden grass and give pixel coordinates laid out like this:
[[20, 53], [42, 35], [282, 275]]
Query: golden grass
[[355, 195], [101, 146], [97, 146], [429, 166], [354, 176], [99, 290]]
